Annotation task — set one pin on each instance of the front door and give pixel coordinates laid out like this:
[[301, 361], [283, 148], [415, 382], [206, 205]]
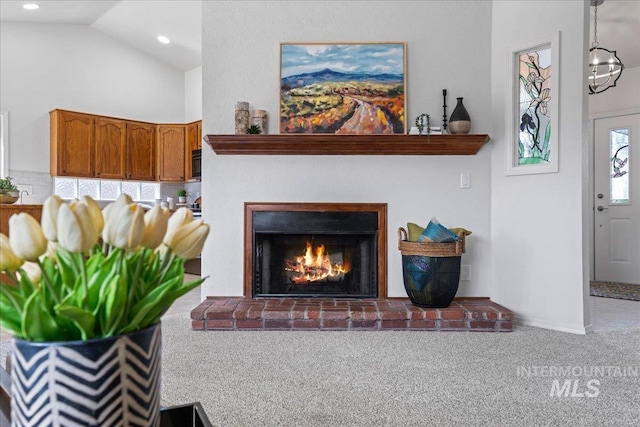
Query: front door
[[617, 199]]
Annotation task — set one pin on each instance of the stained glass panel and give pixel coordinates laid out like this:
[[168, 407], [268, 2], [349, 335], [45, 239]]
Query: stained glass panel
[[534, 112], [619, 143]]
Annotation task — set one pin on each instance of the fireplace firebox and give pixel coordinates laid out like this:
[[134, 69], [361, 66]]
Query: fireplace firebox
[[315, 250]]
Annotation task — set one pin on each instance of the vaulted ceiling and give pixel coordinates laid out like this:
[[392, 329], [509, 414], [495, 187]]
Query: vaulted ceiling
[[139, 22], [136, 23]]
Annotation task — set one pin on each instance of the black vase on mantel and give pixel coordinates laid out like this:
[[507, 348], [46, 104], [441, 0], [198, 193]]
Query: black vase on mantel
[[459, 122]]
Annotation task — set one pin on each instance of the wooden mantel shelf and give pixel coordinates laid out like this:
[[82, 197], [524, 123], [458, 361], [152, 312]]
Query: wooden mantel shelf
[[331, 144]]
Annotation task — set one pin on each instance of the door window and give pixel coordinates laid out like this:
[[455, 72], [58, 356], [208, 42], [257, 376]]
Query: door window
[[619, 151]]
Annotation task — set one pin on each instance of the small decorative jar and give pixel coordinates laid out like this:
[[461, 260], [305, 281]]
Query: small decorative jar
[[242, 118], [259, 118], [459, 122]]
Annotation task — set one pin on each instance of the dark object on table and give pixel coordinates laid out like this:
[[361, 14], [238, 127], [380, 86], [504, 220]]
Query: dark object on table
[[190, 415]]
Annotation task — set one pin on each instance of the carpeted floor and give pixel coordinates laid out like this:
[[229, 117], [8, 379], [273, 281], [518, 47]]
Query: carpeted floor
[[400, 378], [615, 290]]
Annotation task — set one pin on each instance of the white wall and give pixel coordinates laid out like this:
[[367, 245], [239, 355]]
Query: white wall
[[193, 95], [539, 223], [623, 97], [448, 47], [74, 67]]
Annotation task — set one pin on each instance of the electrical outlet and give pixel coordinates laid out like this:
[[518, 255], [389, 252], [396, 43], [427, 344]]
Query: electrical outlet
[[465, 272], [25, 187]]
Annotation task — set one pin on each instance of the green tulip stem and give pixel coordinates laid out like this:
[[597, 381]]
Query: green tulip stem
[[121, 256], [134, 285], [47, 282], [85, 282], [167, 262]]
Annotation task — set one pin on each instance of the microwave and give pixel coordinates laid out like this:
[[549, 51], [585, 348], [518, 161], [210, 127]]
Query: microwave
[[196, 163]]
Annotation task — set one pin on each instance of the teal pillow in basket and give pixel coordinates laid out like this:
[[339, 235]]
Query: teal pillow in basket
[[414, 231], [436, 232]]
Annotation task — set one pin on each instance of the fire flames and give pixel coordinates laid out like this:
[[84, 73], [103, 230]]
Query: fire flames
[[314, 265]]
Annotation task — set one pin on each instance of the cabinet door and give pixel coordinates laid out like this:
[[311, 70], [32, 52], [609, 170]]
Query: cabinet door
[[199, 123], [72, 144], [194, 142], [111, 149], [171, 152], [194, 135], [141, 151]]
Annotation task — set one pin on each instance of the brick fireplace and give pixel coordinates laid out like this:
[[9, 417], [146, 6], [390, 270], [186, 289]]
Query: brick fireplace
[[278, 296]]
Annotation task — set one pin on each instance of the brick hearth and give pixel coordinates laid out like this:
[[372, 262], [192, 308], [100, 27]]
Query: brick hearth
[[238, 313]]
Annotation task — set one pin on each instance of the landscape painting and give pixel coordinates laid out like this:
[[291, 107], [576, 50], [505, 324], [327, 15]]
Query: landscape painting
[[342, 88]]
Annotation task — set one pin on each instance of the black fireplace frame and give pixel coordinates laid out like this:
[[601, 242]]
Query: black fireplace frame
[[379, 209]]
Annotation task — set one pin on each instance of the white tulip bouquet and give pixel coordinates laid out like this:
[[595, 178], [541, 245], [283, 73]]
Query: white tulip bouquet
[[68, 284]]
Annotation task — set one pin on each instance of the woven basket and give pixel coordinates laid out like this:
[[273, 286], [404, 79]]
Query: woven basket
[[431, 271], [430, 248]]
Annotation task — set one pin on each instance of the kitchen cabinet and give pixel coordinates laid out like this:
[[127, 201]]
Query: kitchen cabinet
[[141, 151], [110, 148], [92, 146], [171, 143], [194, 135], [72, 144], [194, 142]]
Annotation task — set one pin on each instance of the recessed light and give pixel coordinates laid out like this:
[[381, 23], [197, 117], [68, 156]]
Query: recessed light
[[164, 40], [30, 6]]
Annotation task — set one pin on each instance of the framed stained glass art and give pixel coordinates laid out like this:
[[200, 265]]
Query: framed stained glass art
[[532, 106]]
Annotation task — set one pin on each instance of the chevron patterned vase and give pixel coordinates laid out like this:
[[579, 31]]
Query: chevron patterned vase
[[103, 382]]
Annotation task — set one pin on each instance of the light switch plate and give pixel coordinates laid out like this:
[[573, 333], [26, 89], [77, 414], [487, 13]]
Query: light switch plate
[[465, 180]]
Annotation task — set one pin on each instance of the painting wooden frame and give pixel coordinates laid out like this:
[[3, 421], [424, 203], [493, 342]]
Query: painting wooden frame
[[532, 100], [332, 87]]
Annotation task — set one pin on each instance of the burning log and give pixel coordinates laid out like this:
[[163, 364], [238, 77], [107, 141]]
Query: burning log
[[314, 266]]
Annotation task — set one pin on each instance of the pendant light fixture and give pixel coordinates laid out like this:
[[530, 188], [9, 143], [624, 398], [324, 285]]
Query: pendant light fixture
[[605, 68]]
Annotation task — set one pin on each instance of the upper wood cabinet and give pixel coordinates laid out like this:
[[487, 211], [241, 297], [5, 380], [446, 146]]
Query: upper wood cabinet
[[141, 151], [72, 144], [194, 136], [194, 142], [91, 146], [171, 152], [111, 148]]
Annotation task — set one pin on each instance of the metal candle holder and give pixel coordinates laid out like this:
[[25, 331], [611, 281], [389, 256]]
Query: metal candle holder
[[444, 114]]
